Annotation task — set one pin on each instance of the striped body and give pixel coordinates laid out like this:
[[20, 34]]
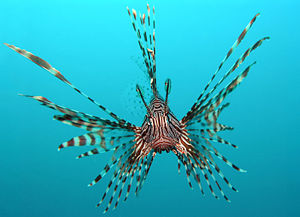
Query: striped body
[[193, 139], [161, 130]]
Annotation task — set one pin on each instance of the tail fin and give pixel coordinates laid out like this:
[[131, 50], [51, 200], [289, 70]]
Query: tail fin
[[145, 30]]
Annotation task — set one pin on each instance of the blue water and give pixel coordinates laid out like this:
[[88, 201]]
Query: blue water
[[92, 43]]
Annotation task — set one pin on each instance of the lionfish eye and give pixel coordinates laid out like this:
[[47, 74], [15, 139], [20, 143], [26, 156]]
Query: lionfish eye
[[168, 118], [148, 117]]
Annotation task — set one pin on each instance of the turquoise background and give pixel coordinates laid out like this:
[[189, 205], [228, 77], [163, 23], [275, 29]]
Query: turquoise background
[[92, 43]]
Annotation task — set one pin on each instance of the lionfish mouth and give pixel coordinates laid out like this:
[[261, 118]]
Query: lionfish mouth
[[163, 144]]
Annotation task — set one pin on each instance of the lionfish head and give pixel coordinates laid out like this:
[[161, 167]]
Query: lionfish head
[[161, 130]]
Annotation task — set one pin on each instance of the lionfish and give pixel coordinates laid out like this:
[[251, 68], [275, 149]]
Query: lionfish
[[134, 147]]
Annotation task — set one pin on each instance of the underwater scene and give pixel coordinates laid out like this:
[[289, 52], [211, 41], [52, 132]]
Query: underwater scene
[[141, 108]]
